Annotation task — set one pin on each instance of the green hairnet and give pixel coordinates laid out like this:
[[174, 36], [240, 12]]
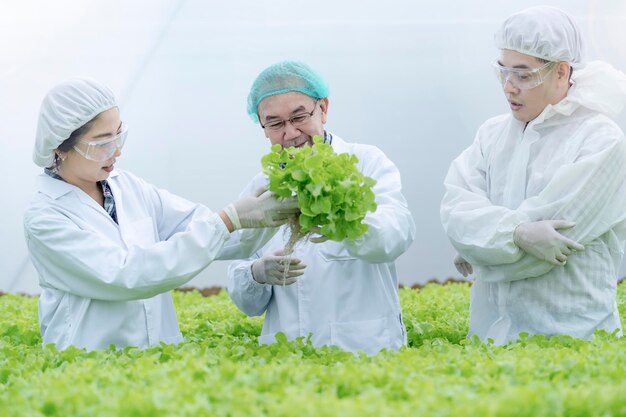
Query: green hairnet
[[284, 77]]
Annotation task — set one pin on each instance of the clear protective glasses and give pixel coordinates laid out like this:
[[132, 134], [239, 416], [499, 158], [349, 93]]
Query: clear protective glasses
[[103, 149], [296, 120], [523, 78]]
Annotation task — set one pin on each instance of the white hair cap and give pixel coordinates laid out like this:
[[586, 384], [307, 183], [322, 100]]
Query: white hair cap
[[543, 32], [67, 107]]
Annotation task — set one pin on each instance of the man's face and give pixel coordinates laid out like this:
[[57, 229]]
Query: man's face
[[297, 107], [526, 105]]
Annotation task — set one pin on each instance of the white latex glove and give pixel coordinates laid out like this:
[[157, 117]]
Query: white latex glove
[[270, 269], [542, 239], [262, 209], [461, 265]]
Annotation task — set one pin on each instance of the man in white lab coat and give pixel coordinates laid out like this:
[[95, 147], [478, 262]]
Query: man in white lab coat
[[536, 206], [347, 295]]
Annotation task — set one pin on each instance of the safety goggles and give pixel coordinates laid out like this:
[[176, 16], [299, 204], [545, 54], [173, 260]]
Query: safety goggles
[[101, 150], [522, 78]]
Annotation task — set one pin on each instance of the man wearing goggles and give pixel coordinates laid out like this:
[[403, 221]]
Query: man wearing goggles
[[535, 206], [523, 76]]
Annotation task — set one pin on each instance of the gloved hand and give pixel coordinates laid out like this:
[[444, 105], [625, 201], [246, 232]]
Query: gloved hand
[[461, 265], [262, 209], [542, 239], [270, 269]]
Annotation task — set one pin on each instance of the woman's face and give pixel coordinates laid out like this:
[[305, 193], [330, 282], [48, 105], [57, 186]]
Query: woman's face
[[83, 172]]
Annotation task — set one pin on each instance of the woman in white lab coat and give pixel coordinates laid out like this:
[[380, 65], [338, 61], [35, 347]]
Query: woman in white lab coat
[[107, 245]]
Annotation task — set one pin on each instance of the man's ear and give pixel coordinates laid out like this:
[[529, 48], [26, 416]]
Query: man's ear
[[324, 107], [563, 70]]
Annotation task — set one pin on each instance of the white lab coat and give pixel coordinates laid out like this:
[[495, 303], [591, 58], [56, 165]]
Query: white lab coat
[[106, 284], [348, 295], [569, 163]]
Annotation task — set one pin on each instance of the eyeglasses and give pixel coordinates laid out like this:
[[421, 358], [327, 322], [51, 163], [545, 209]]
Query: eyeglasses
[[296, 120], [101, 150], [524, 79]]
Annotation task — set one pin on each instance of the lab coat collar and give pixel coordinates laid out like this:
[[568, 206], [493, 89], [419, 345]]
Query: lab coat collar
[[598, 87], [55, 189], [565, 107], [338, 144]]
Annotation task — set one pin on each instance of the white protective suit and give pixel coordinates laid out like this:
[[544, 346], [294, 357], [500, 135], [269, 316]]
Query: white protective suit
[[348, 295], [570, 164], [106, 284]]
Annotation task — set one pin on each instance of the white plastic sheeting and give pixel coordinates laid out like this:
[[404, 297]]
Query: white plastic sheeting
[[412, 77]]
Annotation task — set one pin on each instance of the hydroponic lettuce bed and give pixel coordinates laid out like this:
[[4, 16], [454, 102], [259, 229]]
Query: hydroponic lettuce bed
[[220, 370]]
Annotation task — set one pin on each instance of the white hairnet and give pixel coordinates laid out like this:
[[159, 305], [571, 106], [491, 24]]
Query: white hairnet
[[67, 107], [543, 32]]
